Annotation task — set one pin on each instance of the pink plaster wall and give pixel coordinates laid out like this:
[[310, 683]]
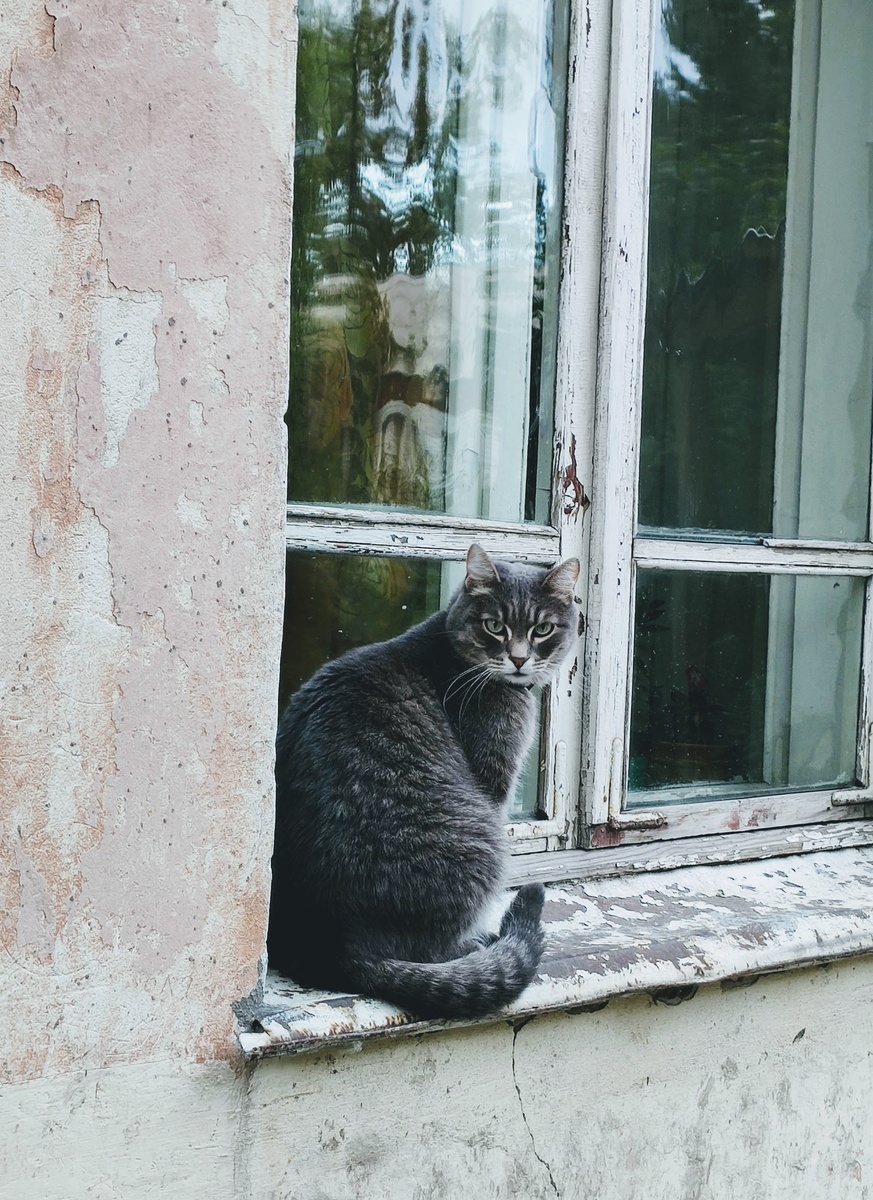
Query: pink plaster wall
[[145, 205]]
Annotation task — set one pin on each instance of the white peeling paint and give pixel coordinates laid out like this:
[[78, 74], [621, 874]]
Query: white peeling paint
[[208, 299], [191, 512], [636, 934], [125, 333]]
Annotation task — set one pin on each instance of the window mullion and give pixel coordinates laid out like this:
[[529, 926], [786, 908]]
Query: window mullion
[[414, 535], [619, 383], [768, 556], [575, 376]]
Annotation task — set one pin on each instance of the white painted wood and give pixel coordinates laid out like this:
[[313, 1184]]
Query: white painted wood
[[414, 535], [618, 399], [864, 766], [615, 937], [630, 859], [723, 815], [800, 558], [575, 381]]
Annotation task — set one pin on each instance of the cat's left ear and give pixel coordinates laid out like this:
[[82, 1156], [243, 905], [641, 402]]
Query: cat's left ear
[[561, 580], [481, 572]]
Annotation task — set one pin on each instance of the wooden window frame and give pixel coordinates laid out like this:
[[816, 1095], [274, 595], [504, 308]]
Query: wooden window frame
[[348, 530], [595, 458], [619, 548]]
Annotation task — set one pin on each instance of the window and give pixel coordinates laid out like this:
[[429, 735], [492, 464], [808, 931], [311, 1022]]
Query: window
[[659, 359], [732, 680], [426, 392]]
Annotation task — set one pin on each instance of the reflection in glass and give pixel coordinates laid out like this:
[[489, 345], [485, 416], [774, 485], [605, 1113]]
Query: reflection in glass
[[335, 602], [747, 680], [424, 281], [758, 365]]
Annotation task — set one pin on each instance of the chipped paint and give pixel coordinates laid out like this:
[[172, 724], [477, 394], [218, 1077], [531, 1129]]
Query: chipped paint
[[144, 188], [619, 937], [124, 329], [143, 382]]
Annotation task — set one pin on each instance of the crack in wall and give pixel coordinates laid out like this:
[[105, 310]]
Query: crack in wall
[[516, 1029]]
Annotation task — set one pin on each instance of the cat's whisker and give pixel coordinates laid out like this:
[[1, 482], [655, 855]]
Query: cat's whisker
[[474, 686], [488, 672], [458, 690], [460, 682], [470, 686]]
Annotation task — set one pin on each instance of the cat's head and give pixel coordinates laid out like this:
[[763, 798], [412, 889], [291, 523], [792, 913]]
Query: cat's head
[[515, 621]]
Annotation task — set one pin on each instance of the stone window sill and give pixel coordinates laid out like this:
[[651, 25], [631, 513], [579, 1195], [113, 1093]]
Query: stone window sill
[[662, 932]]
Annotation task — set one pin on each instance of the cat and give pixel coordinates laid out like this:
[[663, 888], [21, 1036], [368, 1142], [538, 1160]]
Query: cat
[[394, 766]]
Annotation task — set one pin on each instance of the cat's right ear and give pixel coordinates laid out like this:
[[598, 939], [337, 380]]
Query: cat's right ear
[[481, 573]]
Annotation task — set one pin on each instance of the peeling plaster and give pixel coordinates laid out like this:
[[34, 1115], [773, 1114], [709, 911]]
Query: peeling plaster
[[144, 378], [125, 346]]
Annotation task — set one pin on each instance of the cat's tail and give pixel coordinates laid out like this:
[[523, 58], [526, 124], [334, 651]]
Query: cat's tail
[[474, 985]]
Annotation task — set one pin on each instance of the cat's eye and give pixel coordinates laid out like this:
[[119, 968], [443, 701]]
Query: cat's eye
[[494, 627], [544, 629]]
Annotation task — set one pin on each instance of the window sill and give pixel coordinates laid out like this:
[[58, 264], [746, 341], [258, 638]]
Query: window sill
[[660, 932]]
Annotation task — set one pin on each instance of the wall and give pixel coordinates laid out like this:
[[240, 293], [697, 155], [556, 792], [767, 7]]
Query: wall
[[145, 208], [144, 221], [760, 1092]]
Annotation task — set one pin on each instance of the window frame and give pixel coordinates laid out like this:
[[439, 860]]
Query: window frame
[[620, 548], [352, 530], [598, 377]]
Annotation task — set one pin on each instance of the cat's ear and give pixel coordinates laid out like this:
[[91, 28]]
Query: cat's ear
[[561, 580], [481, 573]]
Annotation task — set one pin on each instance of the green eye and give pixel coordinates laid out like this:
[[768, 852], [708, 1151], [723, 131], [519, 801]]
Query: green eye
[[495, 628], [543, 630]]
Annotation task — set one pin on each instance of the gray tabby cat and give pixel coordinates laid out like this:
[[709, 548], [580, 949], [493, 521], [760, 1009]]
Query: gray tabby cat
[[394, 766]]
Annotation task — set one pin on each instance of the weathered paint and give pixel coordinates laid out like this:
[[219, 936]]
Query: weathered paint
[[146, 218], [752, 1092], [642, 933], [759, 1092], [144, 221]]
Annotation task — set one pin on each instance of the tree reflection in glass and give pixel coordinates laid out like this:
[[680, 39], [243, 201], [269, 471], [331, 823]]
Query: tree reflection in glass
[[758, 372], [426, 200], [757, 390], [721, 106]]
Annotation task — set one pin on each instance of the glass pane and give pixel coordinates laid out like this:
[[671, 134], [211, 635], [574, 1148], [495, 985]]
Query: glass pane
[[424, 271], [746, 681], [335, 602], [758, 367]]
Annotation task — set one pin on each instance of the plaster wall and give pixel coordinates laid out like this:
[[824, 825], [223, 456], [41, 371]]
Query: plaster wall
[[759, 1092], [144, 226]]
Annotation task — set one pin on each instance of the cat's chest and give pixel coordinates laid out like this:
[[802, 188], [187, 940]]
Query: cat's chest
[[495, 734]]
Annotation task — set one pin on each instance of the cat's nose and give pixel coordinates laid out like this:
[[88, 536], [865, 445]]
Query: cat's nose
[[519, 662]]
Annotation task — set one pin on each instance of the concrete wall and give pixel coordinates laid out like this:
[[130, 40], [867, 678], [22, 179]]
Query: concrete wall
[[761, 1093], [144, 226]]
